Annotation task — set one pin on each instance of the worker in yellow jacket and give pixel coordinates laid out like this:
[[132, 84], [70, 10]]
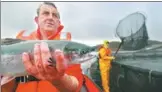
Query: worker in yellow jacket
[[105, 59]]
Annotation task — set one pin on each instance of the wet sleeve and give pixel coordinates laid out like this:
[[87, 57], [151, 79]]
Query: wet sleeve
[[75, 70]]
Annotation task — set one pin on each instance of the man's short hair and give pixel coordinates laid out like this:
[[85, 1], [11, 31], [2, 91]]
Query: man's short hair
[[47, 3]]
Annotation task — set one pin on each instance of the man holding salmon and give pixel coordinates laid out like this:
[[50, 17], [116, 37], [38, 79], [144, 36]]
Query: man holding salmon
[[47, 77]]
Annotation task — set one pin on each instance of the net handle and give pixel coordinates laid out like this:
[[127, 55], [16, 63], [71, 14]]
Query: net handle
[[122, 41]]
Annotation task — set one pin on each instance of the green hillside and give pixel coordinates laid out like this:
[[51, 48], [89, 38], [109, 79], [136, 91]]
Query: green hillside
[[114, 44]]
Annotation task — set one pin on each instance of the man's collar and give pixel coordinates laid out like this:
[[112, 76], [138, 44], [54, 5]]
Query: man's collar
[[52, 35]]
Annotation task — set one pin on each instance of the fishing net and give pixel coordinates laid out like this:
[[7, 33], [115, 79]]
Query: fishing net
[[132, 30], [138, 70]]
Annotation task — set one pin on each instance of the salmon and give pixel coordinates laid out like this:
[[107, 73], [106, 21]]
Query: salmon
[[11, 54]]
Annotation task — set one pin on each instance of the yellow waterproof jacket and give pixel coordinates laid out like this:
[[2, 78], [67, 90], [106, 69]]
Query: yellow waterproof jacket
[[105, 57], [105, 53]]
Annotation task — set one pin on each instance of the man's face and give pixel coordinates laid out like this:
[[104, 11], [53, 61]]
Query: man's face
[[106, 45], [48, 19]]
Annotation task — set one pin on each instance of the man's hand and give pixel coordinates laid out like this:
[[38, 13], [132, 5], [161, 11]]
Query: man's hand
[[41, 65], [112, 57]]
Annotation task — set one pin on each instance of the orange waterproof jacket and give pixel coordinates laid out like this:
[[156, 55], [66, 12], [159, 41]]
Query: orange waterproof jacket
[[45, 86], [36, 35]]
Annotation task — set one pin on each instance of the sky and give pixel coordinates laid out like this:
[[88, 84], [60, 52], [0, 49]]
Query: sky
[[88, 22]]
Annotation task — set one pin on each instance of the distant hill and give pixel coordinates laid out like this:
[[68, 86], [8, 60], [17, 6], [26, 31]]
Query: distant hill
[[115, 44]]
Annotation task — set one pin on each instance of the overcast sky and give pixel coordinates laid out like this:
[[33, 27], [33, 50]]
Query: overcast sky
[[85, 20]]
